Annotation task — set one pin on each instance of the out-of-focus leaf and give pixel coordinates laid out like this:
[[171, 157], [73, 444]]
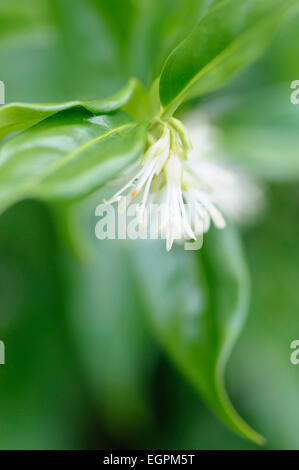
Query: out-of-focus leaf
[[281, 62], [120, 17], [30, 60], [159, 27], [42, 404], [114, 347], [190, 424], [229, 37], [267, 381], [106, 318], [19, 116], [91, 63], [19, 20], [138, 106], [196, 310], [68, 155], [261, 132]]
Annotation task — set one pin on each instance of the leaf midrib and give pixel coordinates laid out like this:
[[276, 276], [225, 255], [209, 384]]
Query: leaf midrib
[[167, 110], [70, 156]]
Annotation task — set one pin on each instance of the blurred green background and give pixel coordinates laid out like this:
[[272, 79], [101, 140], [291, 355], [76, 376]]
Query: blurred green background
[[83, 370]]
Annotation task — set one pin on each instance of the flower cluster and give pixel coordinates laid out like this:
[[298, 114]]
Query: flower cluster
[[191, 190]]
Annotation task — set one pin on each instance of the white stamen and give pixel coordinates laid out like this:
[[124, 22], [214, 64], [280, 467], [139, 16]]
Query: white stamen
[[173, 174]]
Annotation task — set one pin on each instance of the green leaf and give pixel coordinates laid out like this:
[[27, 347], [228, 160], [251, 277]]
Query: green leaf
[[269, 121], [138, 105], [19, 20], [18, 116], [120, 16], [40, 370], [196, 310], [90, 63], [115, 350], [230, 36], [160, 26], [68, 155], [262, 358], [113, 344]]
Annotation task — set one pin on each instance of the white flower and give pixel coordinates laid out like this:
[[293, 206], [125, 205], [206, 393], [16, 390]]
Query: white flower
[[191, 190], [234, 192], [175, 216], [151, 165]]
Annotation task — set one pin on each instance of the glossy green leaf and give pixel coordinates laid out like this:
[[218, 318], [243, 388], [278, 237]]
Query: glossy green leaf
[[68, 155], [18, 116], [230, 36], [159, 27], [197, 304]]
